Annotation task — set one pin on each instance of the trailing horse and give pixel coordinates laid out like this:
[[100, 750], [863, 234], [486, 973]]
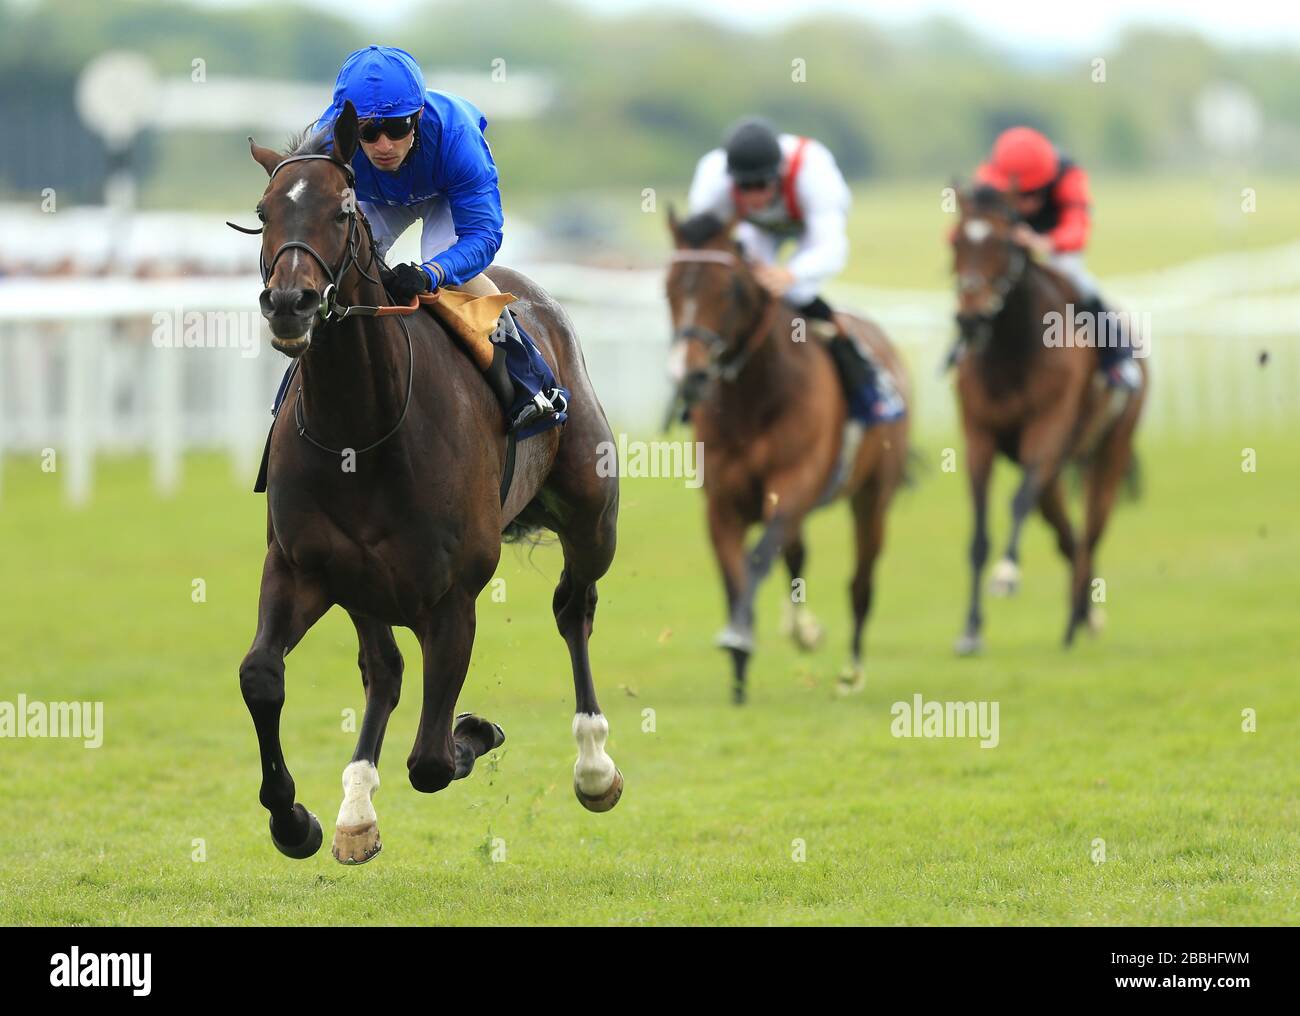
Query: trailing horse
[[1039, 402], [766, 403], [384, 497]]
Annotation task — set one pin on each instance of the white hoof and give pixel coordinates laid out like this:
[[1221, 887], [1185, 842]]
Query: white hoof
[[968, 645], [1096, 619], [853, 679], [799, 625], [1005, 580], [356, 832], [596, 780]]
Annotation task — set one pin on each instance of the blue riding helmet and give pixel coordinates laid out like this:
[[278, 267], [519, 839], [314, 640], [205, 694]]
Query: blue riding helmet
[[381, 81]]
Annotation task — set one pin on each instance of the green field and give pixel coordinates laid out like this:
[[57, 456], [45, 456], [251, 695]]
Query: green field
[[1134, 738], [897, 229]]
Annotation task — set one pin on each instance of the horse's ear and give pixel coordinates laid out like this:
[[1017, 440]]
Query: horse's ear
[[345, 133], [674, 226], [962, 194], [266, 158]]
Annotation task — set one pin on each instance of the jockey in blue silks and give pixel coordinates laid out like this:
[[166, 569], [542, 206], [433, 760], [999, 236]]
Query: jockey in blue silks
[[423, 155]]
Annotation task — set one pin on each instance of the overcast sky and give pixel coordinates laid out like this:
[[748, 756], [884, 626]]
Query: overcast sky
[[1019, 23]]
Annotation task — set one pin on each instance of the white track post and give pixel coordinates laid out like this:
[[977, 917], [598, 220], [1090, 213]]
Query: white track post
[[84, 342], [165, 435]]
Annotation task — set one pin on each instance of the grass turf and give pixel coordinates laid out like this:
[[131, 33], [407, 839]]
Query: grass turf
[[1134, 738]]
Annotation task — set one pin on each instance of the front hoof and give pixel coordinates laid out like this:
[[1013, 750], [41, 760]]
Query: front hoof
[[852, 679], [735, 639], [311, 841], [1096, 620], [356, 844], [808, 633], [605, 801], [968, 645], [1005, 580]]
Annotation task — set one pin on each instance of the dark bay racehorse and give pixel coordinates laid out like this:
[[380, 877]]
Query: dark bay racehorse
[[1040, 404], [767, 405], [383, 497]]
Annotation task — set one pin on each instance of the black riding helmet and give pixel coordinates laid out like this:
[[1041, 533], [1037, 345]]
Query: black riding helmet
[[753, 152]]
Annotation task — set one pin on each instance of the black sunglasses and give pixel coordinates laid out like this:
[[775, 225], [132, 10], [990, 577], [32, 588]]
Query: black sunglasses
[[394, 127], [754, 185]]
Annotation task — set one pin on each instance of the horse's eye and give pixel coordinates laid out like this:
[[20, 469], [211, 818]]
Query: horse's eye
[[261, 215], [341, 217]]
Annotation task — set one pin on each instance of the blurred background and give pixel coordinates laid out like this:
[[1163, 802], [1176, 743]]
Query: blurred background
[[126, 153], [136, 383]]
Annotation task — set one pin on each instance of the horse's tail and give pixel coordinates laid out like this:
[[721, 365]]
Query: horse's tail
[[524, 533], [1133, 479], [915, 467]]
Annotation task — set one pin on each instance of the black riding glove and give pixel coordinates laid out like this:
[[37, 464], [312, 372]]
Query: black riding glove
[[405, 281]]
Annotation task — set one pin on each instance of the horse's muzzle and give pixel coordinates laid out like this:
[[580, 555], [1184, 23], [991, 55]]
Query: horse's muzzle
[[975, 328], [290, 314], [692, 388]]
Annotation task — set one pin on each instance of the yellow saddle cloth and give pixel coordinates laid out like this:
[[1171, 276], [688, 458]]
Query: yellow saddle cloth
[[472, 319]]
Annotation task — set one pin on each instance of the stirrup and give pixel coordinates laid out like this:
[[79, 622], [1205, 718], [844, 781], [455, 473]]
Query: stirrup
[[541, 406]]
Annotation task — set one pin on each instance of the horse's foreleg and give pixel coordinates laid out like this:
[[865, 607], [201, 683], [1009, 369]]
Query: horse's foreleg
[[356, 831], [979, 465], [1053, 506], [797, 620], [1042, 448], [438, 755], [1106, 472], [727, 533], [288, 605]]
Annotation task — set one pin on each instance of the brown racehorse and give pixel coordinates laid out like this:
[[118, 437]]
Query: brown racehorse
[[1039, 402], [384, 497], [768, 409]]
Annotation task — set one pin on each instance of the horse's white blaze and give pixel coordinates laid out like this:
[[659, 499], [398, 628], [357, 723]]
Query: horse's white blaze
[[977, 230], [295, 192], [594, 771], [360, 781]]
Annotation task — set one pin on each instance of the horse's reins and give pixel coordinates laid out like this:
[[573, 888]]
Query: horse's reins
[[329, 308], [729, 370]]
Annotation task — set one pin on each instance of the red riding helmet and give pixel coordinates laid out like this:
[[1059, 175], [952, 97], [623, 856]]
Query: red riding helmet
[[1023, 156]]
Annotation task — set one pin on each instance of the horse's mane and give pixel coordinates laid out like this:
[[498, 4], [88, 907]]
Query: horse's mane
[[700, 229], [309, 141]]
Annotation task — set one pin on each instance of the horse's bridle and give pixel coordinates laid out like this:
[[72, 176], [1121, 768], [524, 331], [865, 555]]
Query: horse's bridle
[[1007, 281], [725, 370], [330, 309]]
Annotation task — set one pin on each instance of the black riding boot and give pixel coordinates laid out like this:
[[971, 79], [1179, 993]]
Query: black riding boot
[[856, 371]]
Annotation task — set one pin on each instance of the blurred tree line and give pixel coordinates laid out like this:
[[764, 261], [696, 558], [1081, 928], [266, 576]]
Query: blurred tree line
[[640, 97]]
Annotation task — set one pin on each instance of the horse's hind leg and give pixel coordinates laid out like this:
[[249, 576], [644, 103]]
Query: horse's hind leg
[[869, 507], [597, 782], [288, 605], [356, 832], [797, 621]]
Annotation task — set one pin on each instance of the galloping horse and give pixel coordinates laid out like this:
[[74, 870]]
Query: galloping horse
[[1040, 403], [383, 496], [767, 406]]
